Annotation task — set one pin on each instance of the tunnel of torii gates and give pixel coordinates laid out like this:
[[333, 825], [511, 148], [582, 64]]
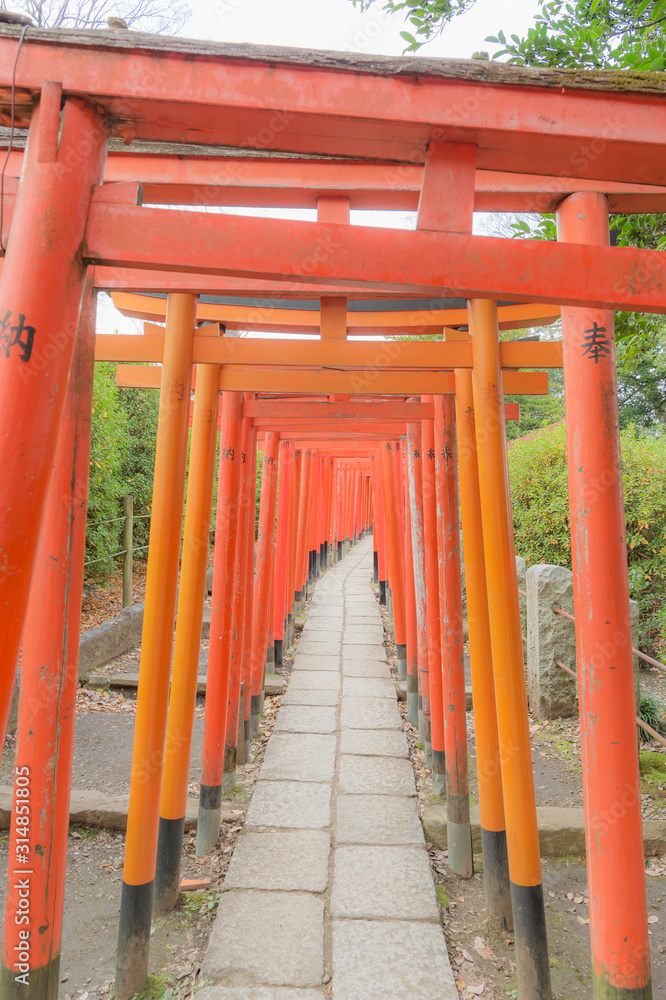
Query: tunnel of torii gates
[[397, 436]]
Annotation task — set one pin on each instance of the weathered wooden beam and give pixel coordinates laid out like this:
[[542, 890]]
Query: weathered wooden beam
[[413, 262]]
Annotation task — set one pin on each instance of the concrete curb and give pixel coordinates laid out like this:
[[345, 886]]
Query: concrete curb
[[113, 638], [274, 683], [561, 831], [88, 807]]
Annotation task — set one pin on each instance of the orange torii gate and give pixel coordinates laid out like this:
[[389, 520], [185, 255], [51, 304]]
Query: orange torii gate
[[451, 137]]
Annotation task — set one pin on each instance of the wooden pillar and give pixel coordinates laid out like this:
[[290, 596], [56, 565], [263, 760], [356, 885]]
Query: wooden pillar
[[394, 547], [508, 664], [49, 668], [415, 483], [432, 610], [489, 772], [459, 834], [262, 587], [281, 548], [187, 645], [611, 780], [243, 578], [40, 300], [217, 678], [156, 645]]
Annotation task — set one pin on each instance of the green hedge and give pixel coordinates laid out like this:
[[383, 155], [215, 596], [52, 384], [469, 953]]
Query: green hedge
[[538, 475]]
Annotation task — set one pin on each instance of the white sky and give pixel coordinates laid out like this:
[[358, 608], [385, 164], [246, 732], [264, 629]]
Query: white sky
[[338, 25]]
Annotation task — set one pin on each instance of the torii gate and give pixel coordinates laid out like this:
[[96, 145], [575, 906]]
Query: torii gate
[[575, 142]]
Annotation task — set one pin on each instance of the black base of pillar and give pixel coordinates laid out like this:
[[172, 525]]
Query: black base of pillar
[[529, 926], [339, 550], [382, 592], [496, 884], [278, 646], [37, 984], [375, 567], [136, 911], [167, 871]]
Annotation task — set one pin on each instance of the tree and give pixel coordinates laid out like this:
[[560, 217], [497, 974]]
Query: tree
[[429, 19], [156, 16]]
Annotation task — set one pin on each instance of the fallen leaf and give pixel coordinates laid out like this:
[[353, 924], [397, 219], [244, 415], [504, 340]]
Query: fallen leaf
[[461, 984], [476, 990], [467, 956], [652, 919], [578, 899]]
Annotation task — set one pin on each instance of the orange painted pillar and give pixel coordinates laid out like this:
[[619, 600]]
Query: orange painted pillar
[[394, 546], [187, 645], [217, 678], [459, 833], [489, 773], [410, 619], [301, 533], [380, 524], [415, 484], [43, 766], [243, 579], [293, 538], [262, 586], [281, 548], [250, 459], [611, 780], [40, 299], [508, 664], [156, 646], [431, 564]]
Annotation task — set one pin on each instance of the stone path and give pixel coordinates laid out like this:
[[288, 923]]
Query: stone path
[[329, 892]]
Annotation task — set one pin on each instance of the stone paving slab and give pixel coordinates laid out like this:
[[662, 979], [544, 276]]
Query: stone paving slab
[[299, 757], [298, 805], [306, 719], [319, 635], [374, 651], [377, 819], [296, 697], [325, 611], [364, 619], [322, 623], [303, 661], [381, 882], [320, 648], [369, 687], [363, 635], [287, 860], [376, 776], [363, 667], [369, 713], [314, 680], [269, 938], [392, 960], [374, 742], [256, 993]]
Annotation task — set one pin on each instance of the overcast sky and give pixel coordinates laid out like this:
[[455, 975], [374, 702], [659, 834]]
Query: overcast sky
[[337, 24]]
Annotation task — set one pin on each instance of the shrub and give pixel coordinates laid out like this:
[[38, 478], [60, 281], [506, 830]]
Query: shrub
[[107, 487], [538, 475]]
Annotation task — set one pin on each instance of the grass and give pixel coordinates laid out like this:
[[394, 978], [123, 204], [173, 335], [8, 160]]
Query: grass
[[192, 904], [442, 897], [160, 987], [652, 765], [651, 711]]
